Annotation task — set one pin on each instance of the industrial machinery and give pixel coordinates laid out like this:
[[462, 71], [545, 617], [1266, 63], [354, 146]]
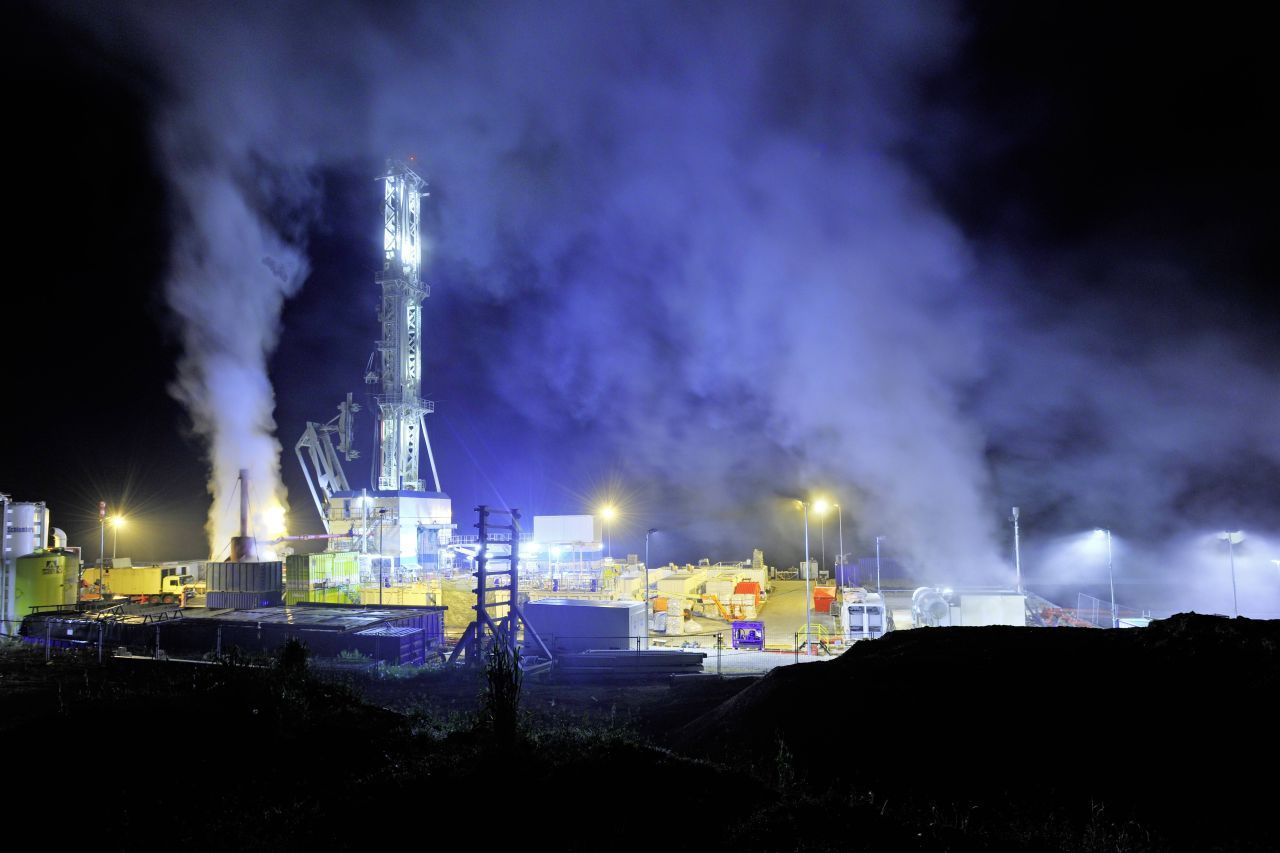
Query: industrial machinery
[[404, 517], [863, 615]]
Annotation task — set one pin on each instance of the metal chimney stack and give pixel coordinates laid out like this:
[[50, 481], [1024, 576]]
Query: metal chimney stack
[[243, 547]]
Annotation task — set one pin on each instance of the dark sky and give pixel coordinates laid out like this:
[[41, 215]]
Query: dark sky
[[1104, 179]]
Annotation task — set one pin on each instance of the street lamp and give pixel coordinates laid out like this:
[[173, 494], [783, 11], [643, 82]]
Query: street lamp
[[840, 562], [608, 512], [1232, 538], [117, 522], [1111, 578], [808, 625], [878, 539], [820, 507], [647, 534], [102, 539], [1017, 554], [382, 523]]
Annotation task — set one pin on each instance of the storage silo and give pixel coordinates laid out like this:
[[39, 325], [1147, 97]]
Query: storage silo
[[26, 526]]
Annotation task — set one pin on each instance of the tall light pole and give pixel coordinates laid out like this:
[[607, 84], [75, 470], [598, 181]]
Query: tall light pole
[[1232, 538], [382, 523], [878, 538], [840, 524], [117, 522], [1017, 553], [820, 507], [808, 625], [102, 539], [647, 534], [608, 513], [1111, 578]]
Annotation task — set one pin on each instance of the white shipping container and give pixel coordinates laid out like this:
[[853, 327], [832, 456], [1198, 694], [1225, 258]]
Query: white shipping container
[[992, 609], [566, 529], [720, 589], [682, 583]]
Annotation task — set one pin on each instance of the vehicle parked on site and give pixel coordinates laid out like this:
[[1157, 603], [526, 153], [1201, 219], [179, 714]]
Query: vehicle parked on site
[[142, 584]]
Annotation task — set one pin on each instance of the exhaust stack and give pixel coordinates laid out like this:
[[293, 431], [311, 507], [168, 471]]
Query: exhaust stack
[[243, 547]]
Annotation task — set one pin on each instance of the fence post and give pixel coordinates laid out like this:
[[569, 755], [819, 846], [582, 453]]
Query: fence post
[[797, 646], [719, 648], [101, 629], [156, 654], [48, 639]]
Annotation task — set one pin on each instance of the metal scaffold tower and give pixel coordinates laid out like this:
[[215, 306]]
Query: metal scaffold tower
[[490, 628], [401, 410]]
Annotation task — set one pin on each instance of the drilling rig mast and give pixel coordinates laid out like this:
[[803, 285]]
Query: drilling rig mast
[[401, 410]]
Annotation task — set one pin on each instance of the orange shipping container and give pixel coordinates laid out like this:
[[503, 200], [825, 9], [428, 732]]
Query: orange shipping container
[[823, 596]]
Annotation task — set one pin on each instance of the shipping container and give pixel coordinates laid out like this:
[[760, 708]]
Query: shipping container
[[329, 568], [823, 596], [246, 577], [243, 600], [576, 625]]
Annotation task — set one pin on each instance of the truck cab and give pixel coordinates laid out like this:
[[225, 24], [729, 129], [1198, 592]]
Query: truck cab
[[181, 587]]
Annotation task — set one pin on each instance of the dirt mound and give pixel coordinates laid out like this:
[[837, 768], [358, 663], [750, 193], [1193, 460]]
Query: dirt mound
[[1164, 723]]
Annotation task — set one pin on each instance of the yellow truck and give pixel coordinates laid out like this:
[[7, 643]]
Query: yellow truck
[[142, 584]]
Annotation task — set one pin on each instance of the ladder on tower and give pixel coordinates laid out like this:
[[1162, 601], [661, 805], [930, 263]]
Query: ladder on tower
[[490, 628]]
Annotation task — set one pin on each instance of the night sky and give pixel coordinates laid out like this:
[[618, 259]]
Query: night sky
[[932, 260]]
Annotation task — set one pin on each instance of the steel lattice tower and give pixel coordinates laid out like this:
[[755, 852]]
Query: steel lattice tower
[[401, 410]]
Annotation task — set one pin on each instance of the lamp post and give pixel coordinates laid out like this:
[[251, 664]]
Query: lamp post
[[116, 523], [647, 534], [808, 601], [1111, 578], [1017, 554], [102, 539], [608, 513], [840, 524], [820, 508], [878, 539], [382, 523], [1232, 538], [808, 627]]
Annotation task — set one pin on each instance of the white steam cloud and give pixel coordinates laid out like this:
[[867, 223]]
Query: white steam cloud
[[229, 275], [697, 219]]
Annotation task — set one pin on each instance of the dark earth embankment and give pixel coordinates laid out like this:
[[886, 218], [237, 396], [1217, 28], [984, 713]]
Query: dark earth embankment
[[1172, 727], [937, 740]]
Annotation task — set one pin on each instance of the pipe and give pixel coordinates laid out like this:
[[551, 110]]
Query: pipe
[[244, 502]]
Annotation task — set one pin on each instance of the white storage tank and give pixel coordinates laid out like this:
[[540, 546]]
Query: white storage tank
[[26, 529], [578, 625]]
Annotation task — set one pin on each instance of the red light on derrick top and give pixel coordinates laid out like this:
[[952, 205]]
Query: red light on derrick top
[[413, 157]]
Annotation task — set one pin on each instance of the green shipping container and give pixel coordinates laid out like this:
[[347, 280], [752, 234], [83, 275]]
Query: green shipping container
[[304, 571], [45, 578]]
